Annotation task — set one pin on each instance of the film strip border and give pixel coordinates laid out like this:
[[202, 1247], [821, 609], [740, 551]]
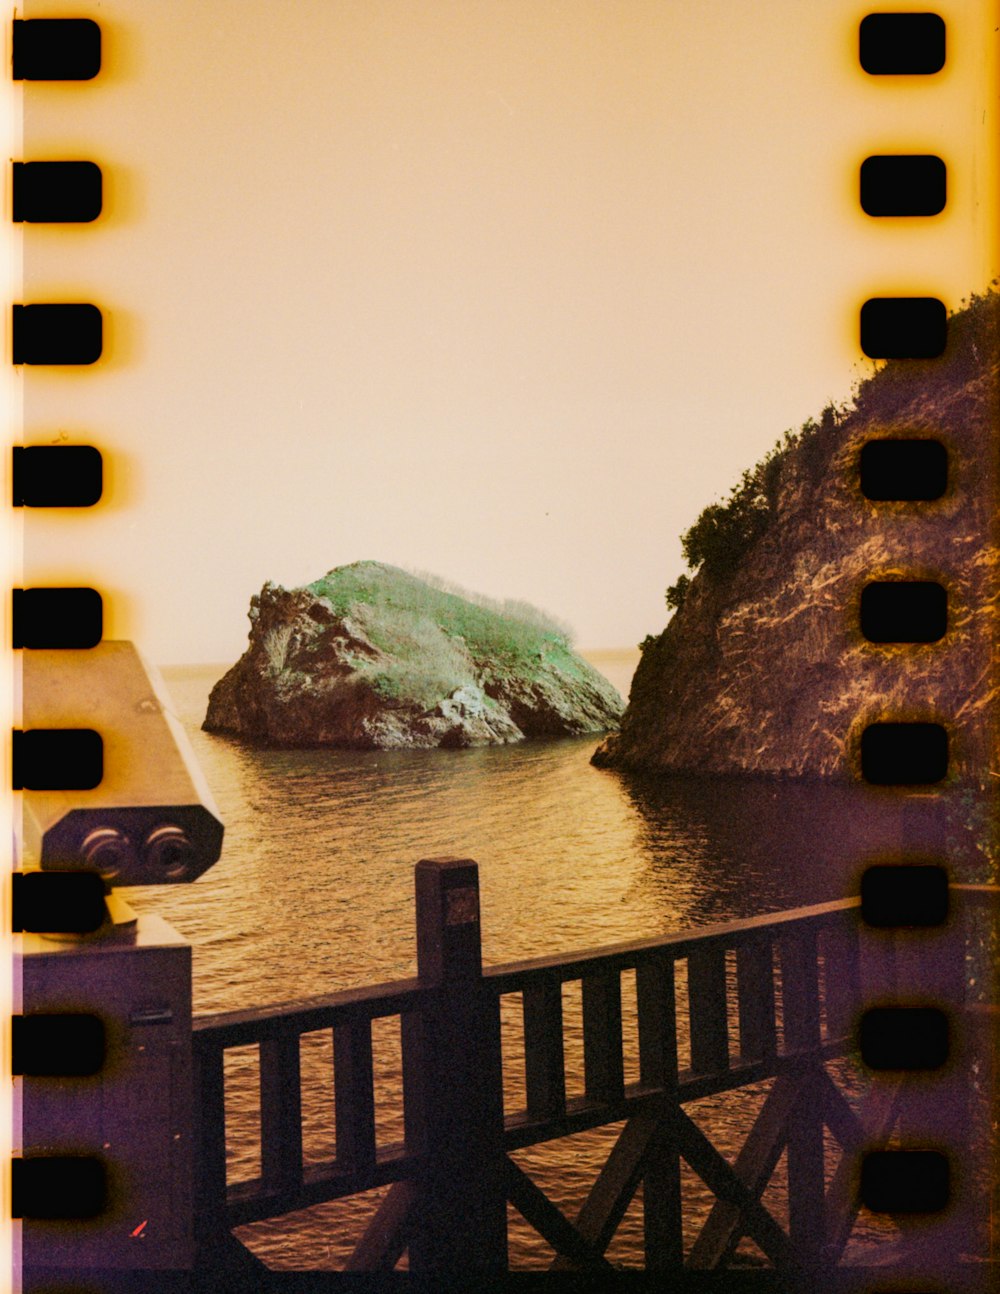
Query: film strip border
[[913, 1183], [57, 1045], [908, 898]]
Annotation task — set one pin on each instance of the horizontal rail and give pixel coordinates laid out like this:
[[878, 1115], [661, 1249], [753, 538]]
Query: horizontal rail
[[978, 894], [252, 1200], [510, 977], [304, 1015]]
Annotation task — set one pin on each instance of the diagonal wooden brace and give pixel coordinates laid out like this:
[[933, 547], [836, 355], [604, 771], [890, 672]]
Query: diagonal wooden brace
[[551, 1224], [719, 1176], [725, 1225], [616, 1184]]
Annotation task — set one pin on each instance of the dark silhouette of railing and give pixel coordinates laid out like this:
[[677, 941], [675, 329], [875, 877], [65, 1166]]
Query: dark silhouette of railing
[[771, 997]]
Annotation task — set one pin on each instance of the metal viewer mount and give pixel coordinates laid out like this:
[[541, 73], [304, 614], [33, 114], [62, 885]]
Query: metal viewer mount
[[151, 820]]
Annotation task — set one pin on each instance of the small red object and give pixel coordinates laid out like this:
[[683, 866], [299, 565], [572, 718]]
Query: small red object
[[140, 1227]]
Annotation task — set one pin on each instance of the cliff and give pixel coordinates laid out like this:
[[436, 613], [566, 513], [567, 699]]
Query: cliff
[[763, 668], [370, 657]]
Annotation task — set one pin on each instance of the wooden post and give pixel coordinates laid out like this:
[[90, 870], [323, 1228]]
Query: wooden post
[[707, 1010], [281, 1113], [460, 1218]]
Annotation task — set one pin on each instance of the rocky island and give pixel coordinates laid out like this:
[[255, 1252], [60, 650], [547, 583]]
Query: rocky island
[[763, 667], [371, 657]]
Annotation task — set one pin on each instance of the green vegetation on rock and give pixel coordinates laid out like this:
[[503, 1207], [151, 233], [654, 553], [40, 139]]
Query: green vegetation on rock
[[370, 655], [430, 633]]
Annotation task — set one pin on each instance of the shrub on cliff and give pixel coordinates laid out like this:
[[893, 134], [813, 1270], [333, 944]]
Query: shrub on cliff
[[725, 532], [676, 593]]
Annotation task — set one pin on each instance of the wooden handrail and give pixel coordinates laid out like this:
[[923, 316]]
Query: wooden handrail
[[508, 977], [303, 1015]]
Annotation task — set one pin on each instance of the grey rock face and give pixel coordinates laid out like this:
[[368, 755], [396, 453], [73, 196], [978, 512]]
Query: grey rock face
[[370, 657], [764, 668]]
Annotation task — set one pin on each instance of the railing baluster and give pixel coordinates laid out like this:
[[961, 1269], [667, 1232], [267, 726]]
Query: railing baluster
[[544, 1061], [878, 965], [354, 1094], [707, 1009], [800, 991], [755, 999], [841, 979], [806, 1184], [661, 1184], [603, 1064], [656, 1009], [412, 1039], [280, 1112]]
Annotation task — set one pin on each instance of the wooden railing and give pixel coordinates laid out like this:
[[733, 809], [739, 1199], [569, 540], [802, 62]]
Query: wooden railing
[[284, 1184], [771, 997]]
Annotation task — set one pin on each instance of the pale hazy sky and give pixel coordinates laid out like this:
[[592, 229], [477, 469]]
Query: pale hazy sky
[[503, 289]]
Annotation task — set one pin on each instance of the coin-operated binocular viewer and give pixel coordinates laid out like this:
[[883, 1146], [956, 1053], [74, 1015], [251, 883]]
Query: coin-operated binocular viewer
[[150, 820]]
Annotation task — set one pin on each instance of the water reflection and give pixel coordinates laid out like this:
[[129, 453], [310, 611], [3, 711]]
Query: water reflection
[[728, 847]]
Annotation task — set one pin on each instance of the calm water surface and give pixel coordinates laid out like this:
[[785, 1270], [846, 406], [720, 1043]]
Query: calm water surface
[[314, 892]]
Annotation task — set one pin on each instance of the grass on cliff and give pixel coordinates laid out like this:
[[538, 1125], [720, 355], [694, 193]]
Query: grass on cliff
[[431, 632], [725, 531]]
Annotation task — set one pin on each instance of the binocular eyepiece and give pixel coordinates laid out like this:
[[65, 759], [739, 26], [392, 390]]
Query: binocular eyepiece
[[151, 820], [165, 854]]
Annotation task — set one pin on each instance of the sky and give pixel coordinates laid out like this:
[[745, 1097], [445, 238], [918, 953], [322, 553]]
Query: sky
[[499, 289]]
